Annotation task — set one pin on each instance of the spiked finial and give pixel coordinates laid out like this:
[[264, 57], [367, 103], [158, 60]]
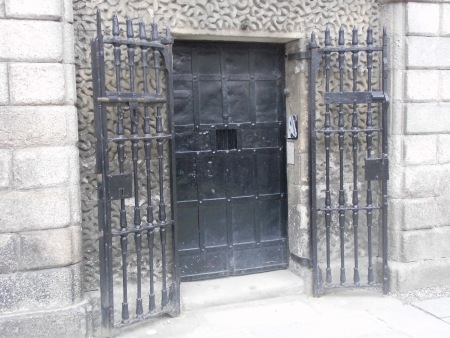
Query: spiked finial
[[327, 36], [115, 26], [370, 36], [168, 33], [142, 33], [130, 33], [168, 39], [355, 36], [99, 24], [341, 36], [313, 40], [155, 35]]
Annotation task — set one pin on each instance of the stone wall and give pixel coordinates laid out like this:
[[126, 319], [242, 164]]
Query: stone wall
[[40, 234], [248, 20], [419, 143]]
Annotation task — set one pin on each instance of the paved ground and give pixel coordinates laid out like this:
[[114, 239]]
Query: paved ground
[[344, 313]]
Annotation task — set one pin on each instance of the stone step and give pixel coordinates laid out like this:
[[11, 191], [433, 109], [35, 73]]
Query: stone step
[[238, 289]]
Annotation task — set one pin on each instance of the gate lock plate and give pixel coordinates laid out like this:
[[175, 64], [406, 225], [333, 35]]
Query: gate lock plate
[[120, 186], [377, 169]]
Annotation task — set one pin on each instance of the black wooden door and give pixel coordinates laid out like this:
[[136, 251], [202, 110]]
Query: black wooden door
[[230, 158]]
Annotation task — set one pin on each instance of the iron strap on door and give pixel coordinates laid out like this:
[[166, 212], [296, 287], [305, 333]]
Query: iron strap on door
[[133, 107], [348, 160]]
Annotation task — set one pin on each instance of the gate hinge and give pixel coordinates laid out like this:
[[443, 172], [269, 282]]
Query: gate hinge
[[300, 55]]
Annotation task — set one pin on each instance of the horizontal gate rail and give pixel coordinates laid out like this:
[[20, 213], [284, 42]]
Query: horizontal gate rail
[[343, 119], [133, 126]]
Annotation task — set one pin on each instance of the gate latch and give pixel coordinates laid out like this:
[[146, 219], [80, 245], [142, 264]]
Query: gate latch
[[377, 169], [120, 186]]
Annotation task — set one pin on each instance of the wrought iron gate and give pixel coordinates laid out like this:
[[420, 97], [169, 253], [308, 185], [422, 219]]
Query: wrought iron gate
[[133, 108], [348, 139]]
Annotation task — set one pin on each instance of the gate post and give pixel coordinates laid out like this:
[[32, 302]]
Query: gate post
[[40, 232], [314, 68], [419, 193]]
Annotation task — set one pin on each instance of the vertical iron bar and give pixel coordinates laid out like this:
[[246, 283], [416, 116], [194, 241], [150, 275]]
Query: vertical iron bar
[[168, 62], [162, 206], [121, 160], [369, 136], [327, 157], [134, 113], [104, 210], [341, 156], [384, 139], [147, 150], [355, 199], [314, 66]]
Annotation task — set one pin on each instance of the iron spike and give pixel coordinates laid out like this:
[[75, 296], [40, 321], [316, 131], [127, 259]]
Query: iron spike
[[142, 33], [355, 36], [99, 24], [327, 36], [370, 36], [341, 36], [155, 35], [168, 34], [313, 40], [115, 27], [168, 39], [130, 33]]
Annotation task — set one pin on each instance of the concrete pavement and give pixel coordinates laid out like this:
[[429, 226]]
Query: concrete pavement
[[342, 313]]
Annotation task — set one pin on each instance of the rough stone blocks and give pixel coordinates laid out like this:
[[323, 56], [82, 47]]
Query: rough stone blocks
[[422, 85], [38, 83], [445, 18], [4, 95], [421, 245], [422, 18], [33, 210], [32, 9], [64, 322], [443, 148], [5, 167], [34, 290], [31, 40], [444, 85], [420, 149], [9, 252], [428, 52], [42, 167], [430, 117], [22, 126], [409, 276], [50, 248], [419, 214], [423, 181]]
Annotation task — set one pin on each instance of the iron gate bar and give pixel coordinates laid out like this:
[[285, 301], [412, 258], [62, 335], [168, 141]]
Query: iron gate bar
[[376, 168], [355, 197], [125, 185]]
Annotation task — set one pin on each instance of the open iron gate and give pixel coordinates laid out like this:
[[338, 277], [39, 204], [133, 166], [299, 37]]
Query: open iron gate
[[348, 158], [133, 106]]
